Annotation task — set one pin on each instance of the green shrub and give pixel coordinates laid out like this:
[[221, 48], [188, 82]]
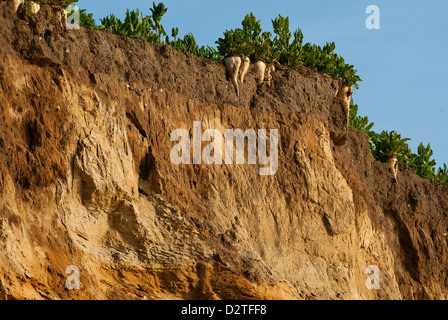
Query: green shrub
[[441, 177], [189, 44], [248, 41], [422, 162], [252, 42], [359, 123], [406, 156], [287, 52], [150, 28], [325, 60], [388, 145], [137, 26], [86, 19]]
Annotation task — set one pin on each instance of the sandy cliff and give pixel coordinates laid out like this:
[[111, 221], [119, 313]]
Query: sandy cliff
[[86, 180]]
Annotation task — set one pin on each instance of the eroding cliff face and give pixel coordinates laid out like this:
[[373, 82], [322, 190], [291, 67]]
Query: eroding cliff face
[[86, 180]]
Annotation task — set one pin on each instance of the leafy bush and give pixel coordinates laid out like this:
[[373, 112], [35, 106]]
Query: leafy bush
[[248, 41], [287, 52], [441, 177], [189, 44], [252, 42], [422, 162], [137, 26], [388, 145], [359, 123], [325, 60], [86, 19], [231, 44]]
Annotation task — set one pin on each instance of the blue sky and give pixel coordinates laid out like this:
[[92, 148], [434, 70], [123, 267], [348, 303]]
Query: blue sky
[[404, 64]]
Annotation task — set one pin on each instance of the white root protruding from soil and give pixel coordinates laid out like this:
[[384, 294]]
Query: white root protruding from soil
[[233, 64], [393, 162], [260, 70], [245, 63], [270, 71], [32, 7], [15, 4], [344, 95]]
